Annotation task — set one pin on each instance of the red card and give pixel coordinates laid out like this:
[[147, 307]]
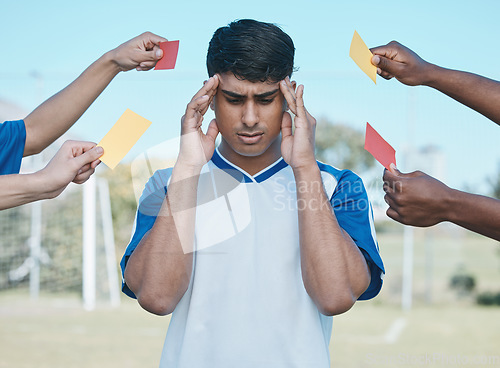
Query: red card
[[379, 148], [170, 49]]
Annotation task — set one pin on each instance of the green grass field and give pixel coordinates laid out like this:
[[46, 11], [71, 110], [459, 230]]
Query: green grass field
[[56, 332]]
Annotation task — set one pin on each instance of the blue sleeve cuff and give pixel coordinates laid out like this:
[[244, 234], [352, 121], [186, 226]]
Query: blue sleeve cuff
[[12, 142]]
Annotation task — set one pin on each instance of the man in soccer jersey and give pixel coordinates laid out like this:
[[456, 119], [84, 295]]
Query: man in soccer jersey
[[252, 245]]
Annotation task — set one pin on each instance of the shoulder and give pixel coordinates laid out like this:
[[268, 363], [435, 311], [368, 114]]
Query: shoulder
[[336, 180], [12, 142], [338, 174], [158, 181], [154, 192], [13, 124], [10, 129]]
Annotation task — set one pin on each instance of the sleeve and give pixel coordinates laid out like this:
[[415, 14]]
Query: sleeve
[[354, 214], [149, 205], [12, 141]]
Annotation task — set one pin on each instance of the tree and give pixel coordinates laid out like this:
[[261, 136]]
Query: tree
[[342, 146]]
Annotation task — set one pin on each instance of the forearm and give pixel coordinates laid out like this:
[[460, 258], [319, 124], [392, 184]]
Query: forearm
[[334, 271], [159, 270], [19, 189], [477, 92], [475, 212], [56, 115]]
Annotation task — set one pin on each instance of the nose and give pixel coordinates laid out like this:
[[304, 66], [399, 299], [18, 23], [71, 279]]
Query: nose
[[250, 114]]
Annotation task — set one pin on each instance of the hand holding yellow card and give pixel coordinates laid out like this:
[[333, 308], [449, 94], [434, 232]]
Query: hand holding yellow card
[[362, 56], [122, 137]]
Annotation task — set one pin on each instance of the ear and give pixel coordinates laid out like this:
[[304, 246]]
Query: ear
[[294, 85], [212, 103], [285, 105]]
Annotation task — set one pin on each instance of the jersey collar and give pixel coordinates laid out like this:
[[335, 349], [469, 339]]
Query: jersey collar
[[222, 163]]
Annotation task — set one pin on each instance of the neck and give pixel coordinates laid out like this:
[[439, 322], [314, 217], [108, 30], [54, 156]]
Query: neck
[[252, 164]]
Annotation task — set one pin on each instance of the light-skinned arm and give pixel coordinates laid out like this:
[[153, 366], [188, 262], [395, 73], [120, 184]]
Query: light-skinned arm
[[479, 93], [159, 270], [418, 199], [56, 115], [74, 162], [334, 270]]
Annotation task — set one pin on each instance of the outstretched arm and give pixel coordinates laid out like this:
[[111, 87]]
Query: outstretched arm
[[159, 270], [334, 271], [477, 92], [74, 162], [56, 115], [420, 200]]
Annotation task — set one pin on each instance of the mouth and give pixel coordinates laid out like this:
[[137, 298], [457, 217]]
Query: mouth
[[250, 138]]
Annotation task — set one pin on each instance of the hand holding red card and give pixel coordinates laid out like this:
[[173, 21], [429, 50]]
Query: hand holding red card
[[170, 50], [379, 148]]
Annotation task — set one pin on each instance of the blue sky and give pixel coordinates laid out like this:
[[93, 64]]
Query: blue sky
[[57, 40]]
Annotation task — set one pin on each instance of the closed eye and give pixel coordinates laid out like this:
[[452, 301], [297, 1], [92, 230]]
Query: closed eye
[[233, 101], [266, 101]]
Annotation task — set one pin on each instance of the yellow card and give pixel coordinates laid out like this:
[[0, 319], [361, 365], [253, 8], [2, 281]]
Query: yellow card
[[362, 56], [122, 137]]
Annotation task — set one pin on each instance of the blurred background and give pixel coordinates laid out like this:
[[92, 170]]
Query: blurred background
[[60, 304]]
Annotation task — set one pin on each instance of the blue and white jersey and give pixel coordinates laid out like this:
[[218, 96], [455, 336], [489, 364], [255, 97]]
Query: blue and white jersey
[[246, 305], [12, 140]]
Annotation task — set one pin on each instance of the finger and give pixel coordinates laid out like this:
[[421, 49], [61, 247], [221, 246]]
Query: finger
[[207, 87], [390, 199], [213, 130], [146, 65], [211, 95], [387, 65], [89, 156], [83, 177], [393, 182], [392, 175], [394, 169], [206, 106], [385, 50], [299, 100], [388, 176], [212, 91], [390, 50], [95, 163], [393, 214], [215, 85], [286, 125], [151, 39], [395, 178], [83, 169], [79, 146], [289, 96], [384, 75], [396, 185], [195, 107], [387, 188], [291, 88], [148, 59], [158, 52]]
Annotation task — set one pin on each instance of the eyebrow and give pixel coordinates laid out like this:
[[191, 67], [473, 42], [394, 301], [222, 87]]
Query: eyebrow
[[260, 95]]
